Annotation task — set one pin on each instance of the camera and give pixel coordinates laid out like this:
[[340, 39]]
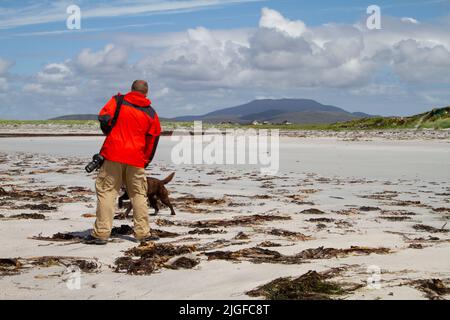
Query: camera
[[97, 161]]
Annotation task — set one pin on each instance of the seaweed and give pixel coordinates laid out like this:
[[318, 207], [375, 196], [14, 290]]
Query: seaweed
[[242, 236], [254, 255], [422, 227], [289, 234], [35, 216], [59, 237], [206, 231], [328, 253], [241, 221], [260, 255], [326, 220], [269, 244], [310, 286], [348, 212], [312, 211], [149, 257], [9, 266], [366, 209], [40, 207], [13, 266], [49, 261], [434, 289], [164, 233], [395, 218], [126, 230], [191, 203], [183, 263], [442, 209]]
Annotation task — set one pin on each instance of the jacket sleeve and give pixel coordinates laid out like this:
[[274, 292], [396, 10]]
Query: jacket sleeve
[[152, 140], [106, 115]]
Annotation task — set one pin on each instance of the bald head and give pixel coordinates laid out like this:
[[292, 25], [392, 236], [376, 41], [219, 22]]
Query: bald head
[[140, 86]]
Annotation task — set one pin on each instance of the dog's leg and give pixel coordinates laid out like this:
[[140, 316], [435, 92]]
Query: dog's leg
[[130, 206], [166, 201], [154, 204]]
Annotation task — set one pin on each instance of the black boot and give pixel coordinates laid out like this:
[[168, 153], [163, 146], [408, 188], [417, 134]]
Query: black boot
[[95, 241]]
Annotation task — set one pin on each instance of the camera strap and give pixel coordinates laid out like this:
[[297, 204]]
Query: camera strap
[[119, 102]]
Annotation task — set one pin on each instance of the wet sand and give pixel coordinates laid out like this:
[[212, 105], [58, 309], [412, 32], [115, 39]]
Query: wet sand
[[340, 204]]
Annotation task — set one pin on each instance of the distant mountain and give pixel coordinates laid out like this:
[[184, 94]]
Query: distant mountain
[[77, 117], [300, 111]]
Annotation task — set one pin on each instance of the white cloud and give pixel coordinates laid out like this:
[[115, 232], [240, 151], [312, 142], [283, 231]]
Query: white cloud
[[54, 72], [417, 63], [5, 65], [272, 19], [48, 12], [410, 20], [109, 59], [206, 69]]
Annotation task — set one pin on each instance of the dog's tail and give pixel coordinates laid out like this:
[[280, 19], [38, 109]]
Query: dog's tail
[[169, 178]]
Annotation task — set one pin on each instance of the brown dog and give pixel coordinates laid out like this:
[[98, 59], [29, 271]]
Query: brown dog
[[156, 190]]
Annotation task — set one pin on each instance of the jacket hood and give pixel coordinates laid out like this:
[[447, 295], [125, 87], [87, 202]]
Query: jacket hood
[[137, 98]]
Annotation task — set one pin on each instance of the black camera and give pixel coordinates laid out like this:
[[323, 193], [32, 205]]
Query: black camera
[[97, 161]]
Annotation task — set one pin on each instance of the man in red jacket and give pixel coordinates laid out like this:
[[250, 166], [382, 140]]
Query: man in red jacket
[[128, 149]]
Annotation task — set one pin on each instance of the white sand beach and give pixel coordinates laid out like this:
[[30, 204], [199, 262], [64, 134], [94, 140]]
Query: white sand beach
[[389, 198]]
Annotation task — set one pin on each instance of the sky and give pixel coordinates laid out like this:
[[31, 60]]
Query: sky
[[203, 55]]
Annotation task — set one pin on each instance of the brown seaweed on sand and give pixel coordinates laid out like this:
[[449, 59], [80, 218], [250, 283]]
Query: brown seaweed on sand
[[434, 289], [395, 218], [83, 264], [34, 216], [9, 266], [183, 263], [422, 227], [323, 220], [312, 211], [126, 230], [242, 236], [269, 244], [289, 234], [259, 255], [59, 237], [206, 231], [40, 207], [240, 221], [310, 286], [328, 253], [12, 266], [149, 257]]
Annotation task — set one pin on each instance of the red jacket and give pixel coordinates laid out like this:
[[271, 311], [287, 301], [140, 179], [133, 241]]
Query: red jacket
[[134, 138]]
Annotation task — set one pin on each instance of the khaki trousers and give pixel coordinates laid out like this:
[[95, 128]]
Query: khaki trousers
[[109, 181]]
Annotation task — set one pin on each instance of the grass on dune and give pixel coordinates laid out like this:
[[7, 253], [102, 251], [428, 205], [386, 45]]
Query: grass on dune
[[434, 119]]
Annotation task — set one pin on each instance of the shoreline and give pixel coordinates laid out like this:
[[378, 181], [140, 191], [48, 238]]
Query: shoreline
[[348, 135]]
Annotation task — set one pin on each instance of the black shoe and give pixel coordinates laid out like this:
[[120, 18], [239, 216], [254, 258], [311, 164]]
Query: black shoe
[[93, 240], [148, 238]]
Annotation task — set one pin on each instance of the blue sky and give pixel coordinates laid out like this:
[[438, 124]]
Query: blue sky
[[122, 40]]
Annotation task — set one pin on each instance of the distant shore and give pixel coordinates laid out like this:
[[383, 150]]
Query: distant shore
[[9, 129]]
